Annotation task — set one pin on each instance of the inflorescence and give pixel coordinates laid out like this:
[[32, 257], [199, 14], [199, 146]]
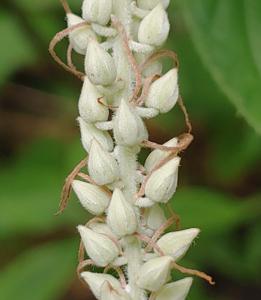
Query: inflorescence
[[123, 84]]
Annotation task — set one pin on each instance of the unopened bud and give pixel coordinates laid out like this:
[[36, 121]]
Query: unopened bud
[[101, 228], [89, 108], [154, 28], [177, 290], [97, 11], [150, 4], [108, 292], [100, 248], [162, 183], [157, 155], [177, 243], [96, 280], [79, 38], [102, 166], [121, 215], [164, 92], [129, 128], [89, 132], [155, 217], [92, 197], [99, 65], [154, 273]]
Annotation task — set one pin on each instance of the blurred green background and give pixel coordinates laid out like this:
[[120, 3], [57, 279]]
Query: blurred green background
[[219, 45]]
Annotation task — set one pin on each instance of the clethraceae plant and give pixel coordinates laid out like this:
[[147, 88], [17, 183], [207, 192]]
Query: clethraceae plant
[[123, 84]]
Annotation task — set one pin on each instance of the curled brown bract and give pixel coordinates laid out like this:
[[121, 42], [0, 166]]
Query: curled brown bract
[[197, 273], [81, 266], [59, 37], [186, 115], [159, 232], [67, 188], [66, 6], [160, 54], [146, 86], [120, 274], [184, 141]]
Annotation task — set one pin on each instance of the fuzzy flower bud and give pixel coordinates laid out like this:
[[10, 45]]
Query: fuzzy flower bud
[[100, 248], [92, 197], [154, 273], [79, 38], [129, 129], [102, 228], [177, 243], [154, 28], [99, 65], [150, 4], [121, 215], [157, 155], [96, 281], [89, 108], [162, 183], [155, 217], [97, 11], [177, 290], [102, 166], [164, 92], [108, 292], [90, 132]]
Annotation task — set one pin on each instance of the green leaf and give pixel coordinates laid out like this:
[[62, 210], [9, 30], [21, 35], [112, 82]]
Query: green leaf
[[197, 292], [47, 5], [210, 211], [253, 22], [241, 160], [42, 273], [253, 247], [222, 40], [17, 50], [30, 191]]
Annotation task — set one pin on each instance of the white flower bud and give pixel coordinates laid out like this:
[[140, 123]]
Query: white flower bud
[[102, 166], [102, 228], [154, 273], [157, 155], [92, 197], [144, 202], [150, 4], [90, 132], [97, 280], [121, 215], [162, 183], [100, 248], [79, 38], [99, 65], [89, 108], [177, 243], [97, 11], [177, 290], [154, 28], [129, 128], [164, 92], [108, 292], [135, 28], [155, 217]]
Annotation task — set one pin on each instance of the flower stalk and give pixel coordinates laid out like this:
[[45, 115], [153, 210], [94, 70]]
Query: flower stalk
[[123, 85]]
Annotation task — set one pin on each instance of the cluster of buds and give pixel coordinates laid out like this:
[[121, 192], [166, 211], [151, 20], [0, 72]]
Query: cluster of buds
[[123, 84]]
